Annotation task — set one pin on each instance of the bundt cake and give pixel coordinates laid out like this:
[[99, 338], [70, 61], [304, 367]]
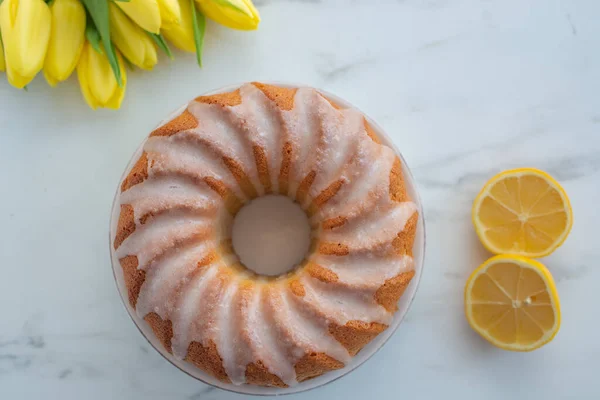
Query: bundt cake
[[173, 235]]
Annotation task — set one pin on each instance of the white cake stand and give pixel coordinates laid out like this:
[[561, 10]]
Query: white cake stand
[[370, 349]]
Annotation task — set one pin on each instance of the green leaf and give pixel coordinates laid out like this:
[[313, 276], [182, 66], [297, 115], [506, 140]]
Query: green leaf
[[92, 35], [199, 24], [98, 10], [161, 43]]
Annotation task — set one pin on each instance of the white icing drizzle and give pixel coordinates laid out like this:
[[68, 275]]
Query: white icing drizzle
[[379, 228], [188, 304], [224, 334], [245, 346], [367, 182], [268, 349], [312, 330], [174, 156], [258, 322], [364, 271], [304, 129], [261, 123], [343, 304], [338, 145], [207, 324], [162, 233], [222, 130], [299, 335], [165, 277], [165, 193], [303, 336]]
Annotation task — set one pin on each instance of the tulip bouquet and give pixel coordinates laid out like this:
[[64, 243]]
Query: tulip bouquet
[[100, 37]]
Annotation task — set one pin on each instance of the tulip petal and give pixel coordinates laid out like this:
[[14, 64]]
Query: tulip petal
[[82, 68], [117, 98], [100, 76], [17, 80], [25, 27], [2, 63], [145, 13], [182, 34], [238, 6], [131, 40], [98, 11], [50, 79], [98, 83], [66, 40], [235, 14], [170, 12]]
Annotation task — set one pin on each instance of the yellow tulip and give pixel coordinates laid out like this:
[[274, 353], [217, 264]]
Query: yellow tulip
[[2, 64], [131, 40], [145, 13], [182, 34], [236, 14], [170, 12], [98, 83], [25, 27], [66, 40]]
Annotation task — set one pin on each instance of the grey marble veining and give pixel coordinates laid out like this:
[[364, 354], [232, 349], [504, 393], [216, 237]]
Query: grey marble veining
[[465, 88]]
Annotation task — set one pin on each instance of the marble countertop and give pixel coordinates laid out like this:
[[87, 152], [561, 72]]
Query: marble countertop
[[465, 89]]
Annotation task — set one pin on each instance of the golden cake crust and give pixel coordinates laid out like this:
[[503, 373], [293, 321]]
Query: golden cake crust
[[138, 173], [356, 334], [315, 364], [134, 278], [161, 328], [182, 122], [207, 359], [258, 374]]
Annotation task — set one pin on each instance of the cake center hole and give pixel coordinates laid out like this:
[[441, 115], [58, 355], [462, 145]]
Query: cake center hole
[[271, 235]]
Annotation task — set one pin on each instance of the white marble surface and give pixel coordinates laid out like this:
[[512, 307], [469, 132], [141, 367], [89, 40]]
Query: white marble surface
[[465, 88]]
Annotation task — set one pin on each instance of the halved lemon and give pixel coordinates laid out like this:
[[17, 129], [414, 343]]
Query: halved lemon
[[522, 211], [512, 302]]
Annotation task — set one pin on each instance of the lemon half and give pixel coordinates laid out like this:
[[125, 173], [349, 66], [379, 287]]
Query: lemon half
[[522, 211], [512, 302]]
